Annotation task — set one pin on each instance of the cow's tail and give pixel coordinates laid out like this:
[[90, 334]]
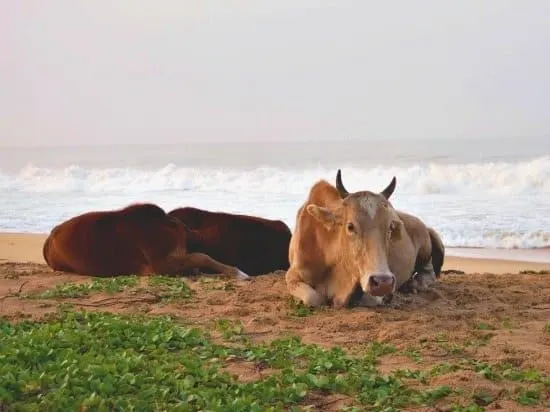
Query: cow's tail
[[438, 251]]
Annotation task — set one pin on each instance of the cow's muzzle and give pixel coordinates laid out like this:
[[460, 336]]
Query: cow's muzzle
[[378, 284]]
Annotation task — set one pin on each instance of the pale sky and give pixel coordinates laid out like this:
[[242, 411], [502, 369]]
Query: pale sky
[[144, 71]]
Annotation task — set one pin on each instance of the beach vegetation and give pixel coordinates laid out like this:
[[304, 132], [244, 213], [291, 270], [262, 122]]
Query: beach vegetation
[[168, 288], [104, 361]]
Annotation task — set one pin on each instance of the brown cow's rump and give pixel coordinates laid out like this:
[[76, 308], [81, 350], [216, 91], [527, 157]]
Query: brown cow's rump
[[253, 244], [138, 239]]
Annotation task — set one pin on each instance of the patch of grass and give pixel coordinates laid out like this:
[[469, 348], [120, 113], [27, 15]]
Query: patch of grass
[[443, 369], [441, 341], [531, 383], [413, 354], [376, 349], [484, 326], [506, 371], [508, 324], [231, 330], [480, 339], [298, 309], [483, 398], [441, 337], [170, 288], [546, 328], [451, 348], [217, 283], [470, 408], [103, 361], [76, 290], [528, 397], [510, 372]]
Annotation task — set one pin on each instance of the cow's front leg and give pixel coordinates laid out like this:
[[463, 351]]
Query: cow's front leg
[[302, 291]]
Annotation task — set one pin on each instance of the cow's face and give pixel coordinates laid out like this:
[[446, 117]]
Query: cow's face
[[364, 224]]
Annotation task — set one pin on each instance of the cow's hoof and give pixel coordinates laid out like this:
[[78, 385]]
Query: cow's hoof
[[423, 282]]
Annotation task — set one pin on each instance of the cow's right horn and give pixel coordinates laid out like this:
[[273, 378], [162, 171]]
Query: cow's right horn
[[340, 186], [387, 192]]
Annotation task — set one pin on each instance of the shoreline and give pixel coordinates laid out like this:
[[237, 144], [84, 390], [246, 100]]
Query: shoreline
[[27, 247], [534, 255]]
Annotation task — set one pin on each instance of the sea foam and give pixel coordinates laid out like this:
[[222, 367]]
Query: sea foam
[[498, 204], [531, 177]]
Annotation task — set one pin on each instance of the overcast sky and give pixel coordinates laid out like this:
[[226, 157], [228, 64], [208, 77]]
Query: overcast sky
[[144, 71]]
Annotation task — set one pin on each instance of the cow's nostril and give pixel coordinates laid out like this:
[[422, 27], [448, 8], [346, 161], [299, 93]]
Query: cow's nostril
[[379, 280]]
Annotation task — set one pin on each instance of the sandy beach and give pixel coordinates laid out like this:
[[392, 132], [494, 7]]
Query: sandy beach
[[27, 247]]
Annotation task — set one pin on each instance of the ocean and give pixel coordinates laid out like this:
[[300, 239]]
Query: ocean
[[486, 193]]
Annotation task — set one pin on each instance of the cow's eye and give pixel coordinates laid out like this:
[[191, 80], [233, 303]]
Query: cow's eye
[[350, 227]]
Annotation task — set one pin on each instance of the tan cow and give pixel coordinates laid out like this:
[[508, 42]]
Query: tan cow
[[342, 241]]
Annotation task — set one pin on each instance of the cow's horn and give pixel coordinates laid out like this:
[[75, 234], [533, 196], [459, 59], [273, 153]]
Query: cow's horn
[[340, 186], [387, 192]]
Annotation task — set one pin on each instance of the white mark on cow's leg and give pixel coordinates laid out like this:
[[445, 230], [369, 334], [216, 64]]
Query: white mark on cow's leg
[[242, 276], [370, 204]]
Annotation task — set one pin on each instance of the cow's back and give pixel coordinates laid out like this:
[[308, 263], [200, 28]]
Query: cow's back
[[308, 251], [117, 242], [413, 250], [192, 217], [255, 245], [427, 242]]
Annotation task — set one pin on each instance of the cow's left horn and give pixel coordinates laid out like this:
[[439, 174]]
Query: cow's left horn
[[340, 186], [387, 192]]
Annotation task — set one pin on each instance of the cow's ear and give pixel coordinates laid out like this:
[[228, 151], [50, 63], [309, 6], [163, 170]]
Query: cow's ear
[[396, 230], [327, 217]]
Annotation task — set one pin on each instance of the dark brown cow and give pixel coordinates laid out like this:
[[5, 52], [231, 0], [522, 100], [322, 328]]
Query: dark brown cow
[[138, 239], [253, 244]]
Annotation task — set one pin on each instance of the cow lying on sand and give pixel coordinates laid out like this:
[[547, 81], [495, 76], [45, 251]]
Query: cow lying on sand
[[342, 241], [138, 239], [253, 244]]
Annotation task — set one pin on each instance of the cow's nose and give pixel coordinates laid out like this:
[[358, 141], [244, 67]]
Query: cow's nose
[[381, 284]]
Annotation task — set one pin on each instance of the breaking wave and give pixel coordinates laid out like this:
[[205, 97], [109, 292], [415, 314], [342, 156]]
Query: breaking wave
[[531, 177], [501, 204]]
